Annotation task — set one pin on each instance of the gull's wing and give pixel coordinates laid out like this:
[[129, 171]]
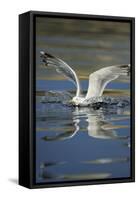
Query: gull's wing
[[99, 79], [61, 67]]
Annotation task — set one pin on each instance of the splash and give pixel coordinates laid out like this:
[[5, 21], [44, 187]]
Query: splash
[[96, 103], [56, 97]]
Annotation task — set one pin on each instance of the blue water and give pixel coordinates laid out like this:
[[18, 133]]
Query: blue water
[[71, 143], [46, 85]]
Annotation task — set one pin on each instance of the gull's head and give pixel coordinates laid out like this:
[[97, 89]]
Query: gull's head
[[77, 100]]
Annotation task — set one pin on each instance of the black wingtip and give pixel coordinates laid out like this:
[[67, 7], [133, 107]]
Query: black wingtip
[[44, 54]]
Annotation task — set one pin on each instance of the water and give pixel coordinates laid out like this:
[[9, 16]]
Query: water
[[81, 143]]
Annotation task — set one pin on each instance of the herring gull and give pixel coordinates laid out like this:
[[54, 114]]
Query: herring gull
[[98, 80]]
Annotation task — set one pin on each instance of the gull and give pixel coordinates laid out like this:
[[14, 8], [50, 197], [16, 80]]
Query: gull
[[98, 80]]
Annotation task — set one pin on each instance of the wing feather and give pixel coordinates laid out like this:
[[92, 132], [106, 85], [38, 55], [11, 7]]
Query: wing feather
[[61, 67], [99, 79]]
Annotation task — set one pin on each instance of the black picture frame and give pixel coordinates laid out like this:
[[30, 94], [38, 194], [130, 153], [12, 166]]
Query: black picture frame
[[27, 98]]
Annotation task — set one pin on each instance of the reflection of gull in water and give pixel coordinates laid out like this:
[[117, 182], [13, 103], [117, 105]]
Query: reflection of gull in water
[[66, 134], [98, 126], [97, 80]]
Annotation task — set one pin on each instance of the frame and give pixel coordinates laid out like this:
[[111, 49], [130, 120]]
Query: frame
[[27, 100]]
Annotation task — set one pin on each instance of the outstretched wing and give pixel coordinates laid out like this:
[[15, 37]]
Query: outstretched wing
[[99, 79], [61, 67]]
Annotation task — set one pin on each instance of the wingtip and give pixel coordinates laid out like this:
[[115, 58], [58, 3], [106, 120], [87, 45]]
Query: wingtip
[[42, 53]]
